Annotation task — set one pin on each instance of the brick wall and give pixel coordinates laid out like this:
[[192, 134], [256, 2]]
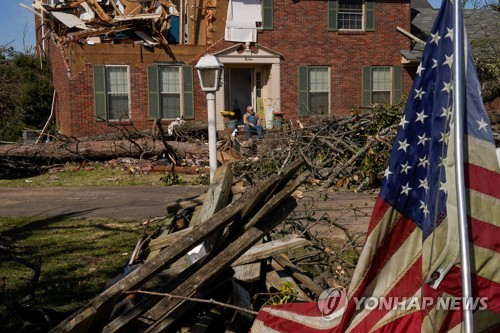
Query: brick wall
[[300, 34]]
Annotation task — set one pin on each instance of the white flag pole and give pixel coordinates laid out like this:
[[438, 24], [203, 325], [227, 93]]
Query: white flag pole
[[459, 103]]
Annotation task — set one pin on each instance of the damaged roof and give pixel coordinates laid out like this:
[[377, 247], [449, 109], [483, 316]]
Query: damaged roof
[[482, 27], [117, 21]]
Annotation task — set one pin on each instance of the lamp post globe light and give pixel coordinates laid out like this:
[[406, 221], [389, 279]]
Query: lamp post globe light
[[210, 72]]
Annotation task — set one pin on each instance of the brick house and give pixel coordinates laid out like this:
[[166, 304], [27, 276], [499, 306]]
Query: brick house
[[298, 57]]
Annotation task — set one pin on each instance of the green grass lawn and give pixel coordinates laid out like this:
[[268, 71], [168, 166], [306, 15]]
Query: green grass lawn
[[78, 257], [92, 174]]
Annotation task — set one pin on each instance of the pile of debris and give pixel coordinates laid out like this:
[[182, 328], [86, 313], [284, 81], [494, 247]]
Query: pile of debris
[[115, 21], [348, 152], [211, 263]]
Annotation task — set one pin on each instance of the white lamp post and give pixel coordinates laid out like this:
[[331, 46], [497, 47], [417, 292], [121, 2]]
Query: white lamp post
[[210, 72]]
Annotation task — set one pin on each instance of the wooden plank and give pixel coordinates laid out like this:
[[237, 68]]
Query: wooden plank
[[165, 240], [98, 10], [217, 196], [276, 280], [263, 192], [269, 249], [277, 199], [170, 255], [297, 273], [158, 315], [248, 272], [101, 306]]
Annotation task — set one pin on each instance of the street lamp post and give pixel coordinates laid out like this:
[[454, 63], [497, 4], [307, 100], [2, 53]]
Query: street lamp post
[[210, 73]]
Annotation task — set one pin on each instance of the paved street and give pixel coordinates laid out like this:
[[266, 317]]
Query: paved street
[[352, 210]]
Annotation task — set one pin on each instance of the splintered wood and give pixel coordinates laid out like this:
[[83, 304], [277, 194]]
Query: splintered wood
[[92, 21], [182, 273]]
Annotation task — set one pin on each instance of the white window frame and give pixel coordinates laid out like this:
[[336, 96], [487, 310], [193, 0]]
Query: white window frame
[[389, 83], [327, 90], [108, 93], [179, 92], [363, 17]]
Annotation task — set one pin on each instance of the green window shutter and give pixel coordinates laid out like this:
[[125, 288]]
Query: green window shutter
[[367, 86], [153, 92], [303, 91], [370, 15], [187, 75], [397, 84], [333, 12], [268, 14], [100, 92]]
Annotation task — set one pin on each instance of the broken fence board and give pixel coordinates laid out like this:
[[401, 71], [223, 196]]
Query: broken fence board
[[297, 273], [158, 315], [276, 280], [101, 306], [248, 272], [269, 249], [166, 240]]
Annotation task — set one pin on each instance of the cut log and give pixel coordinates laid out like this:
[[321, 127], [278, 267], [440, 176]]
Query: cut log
[[96, 150]]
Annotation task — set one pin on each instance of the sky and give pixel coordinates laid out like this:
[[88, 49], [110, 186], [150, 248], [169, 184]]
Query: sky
[[14, 19]]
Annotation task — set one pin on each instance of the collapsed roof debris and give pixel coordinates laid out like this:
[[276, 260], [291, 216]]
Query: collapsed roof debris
[[109, 21]]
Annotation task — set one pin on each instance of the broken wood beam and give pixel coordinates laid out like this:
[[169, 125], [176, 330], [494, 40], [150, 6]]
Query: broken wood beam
[[99, 11], [276, 279], [101, 306], [269, 249], [158, 315], [297, 273]]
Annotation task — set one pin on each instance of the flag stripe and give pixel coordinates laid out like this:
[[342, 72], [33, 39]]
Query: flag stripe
[[389, 245], [408, 324], [379, 210], [480, 179], [409, 283], [480, 233], [481, 287]]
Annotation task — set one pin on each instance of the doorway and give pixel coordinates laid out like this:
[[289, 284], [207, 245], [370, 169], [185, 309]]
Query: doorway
[[238, 90]]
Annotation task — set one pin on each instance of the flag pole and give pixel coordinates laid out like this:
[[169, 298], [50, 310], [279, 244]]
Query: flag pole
[[458, 102]]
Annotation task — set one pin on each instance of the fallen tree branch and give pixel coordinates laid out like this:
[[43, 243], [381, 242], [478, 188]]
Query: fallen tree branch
[[198, 300]]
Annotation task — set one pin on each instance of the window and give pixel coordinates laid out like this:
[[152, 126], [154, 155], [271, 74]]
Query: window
[[351, 15], [170, 91], [382, 85], [268, 14], [314, 90], [111, 92]]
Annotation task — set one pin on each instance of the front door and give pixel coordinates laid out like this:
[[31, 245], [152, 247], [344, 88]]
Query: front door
[[238, 90]]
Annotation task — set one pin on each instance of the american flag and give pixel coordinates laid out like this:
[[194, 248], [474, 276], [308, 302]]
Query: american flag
[[412, 249]]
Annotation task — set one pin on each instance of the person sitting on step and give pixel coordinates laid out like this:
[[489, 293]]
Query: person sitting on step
[[252, 123]]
